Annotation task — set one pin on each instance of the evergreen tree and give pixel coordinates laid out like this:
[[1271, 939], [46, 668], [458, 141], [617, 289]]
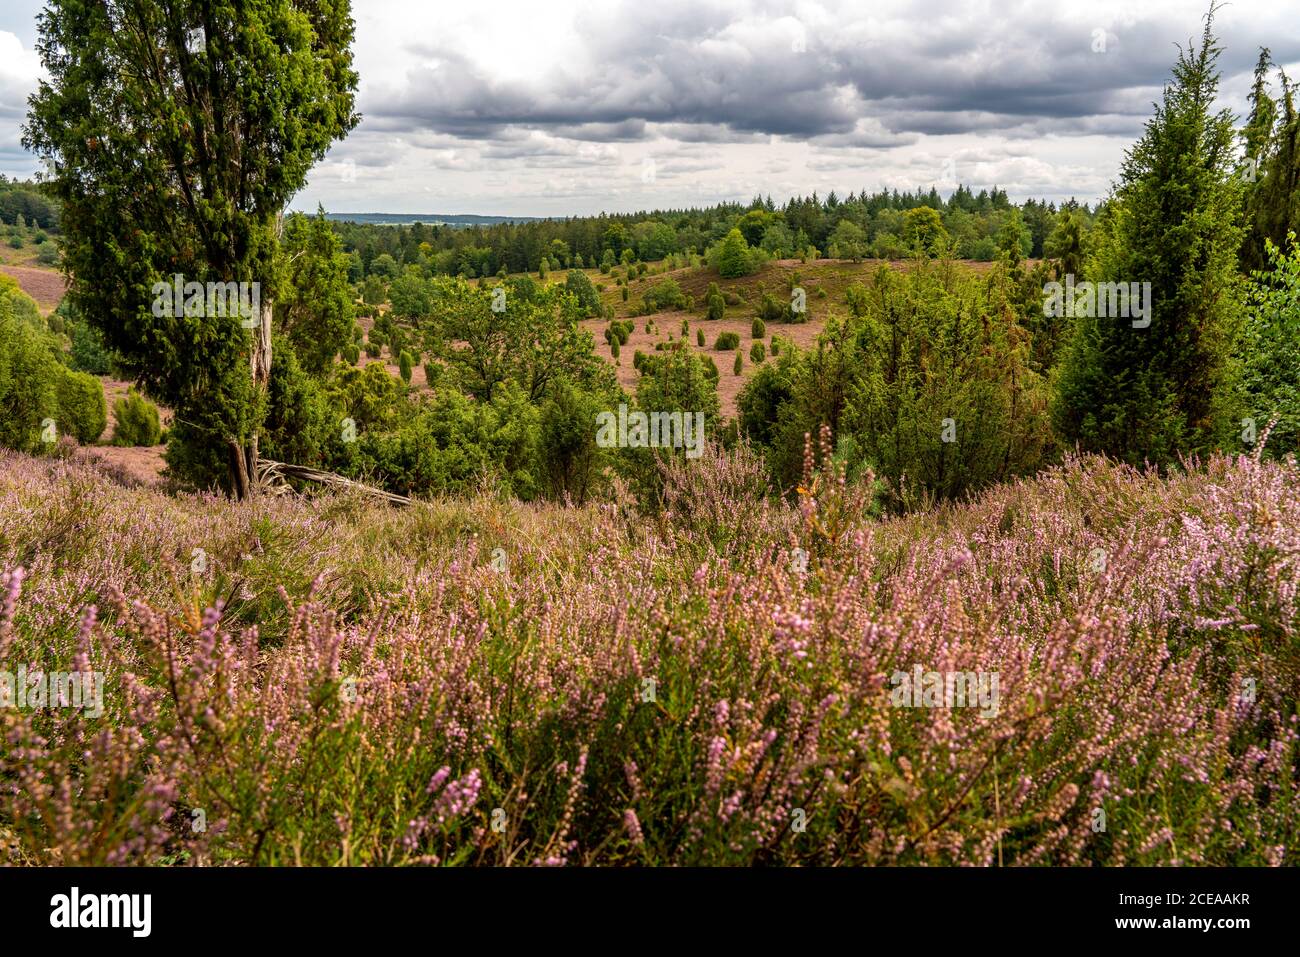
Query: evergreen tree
[[177, 133], [1271, 171], [1155, 387]]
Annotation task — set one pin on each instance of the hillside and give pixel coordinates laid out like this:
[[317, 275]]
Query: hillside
[[479, 681]]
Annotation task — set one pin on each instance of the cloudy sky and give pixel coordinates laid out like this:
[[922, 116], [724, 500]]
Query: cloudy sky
[[561, 107]]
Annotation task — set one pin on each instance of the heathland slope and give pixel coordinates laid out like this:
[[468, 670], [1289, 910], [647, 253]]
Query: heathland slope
[[480, 681]]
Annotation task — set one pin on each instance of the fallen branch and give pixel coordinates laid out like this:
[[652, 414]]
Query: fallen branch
[[269, 471]]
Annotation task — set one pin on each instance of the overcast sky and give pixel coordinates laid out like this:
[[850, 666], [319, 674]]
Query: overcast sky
[[554, 108]]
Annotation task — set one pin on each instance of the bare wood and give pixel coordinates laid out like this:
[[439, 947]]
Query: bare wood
[[269, 471]]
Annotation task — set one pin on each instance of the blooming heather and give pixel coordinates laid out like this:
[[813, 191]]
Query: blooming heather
[[340, 682]]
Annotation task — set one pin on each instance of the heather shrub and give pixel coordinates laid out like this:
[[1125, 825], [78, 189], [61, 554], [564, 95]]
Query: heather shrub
[[675, 693]]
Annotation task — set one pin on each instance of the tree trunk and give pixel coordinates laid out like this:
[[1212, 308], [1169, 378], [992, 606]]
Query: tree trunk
[[260, 370], [239, 471]]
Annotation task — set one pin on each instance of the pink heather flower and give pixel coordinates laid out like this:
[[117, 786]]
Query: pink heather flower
[[458, 797], [633, 827], [438, 780]]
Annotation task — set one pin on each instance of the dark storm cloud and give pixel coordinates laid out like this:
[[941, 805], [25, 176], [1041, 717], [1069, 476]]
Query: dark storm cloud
[[713, 73]]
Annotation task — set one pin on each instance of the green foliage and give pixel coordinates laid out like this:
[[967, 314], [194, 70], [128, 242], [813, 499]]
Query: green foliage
[[578, 285], [1270, 351], [757, 329], [533, 342], [847, 241], [757, 352], [715, 304], [373, 291], [135, 420], [404, 365], [772, 309], [1271, 167], [88, 353], [733, 257], [699, 338], [571, 465], [675, 380], [384, 266], [314, 310], [1165, 390], [450, 444], [739, 364], [170, 160], [410, 295], [1067, 244], [372, 398], [300, 423], [29, 371], [663, 296], [923, 232], [726, 341], [83, 411], [920, 383]]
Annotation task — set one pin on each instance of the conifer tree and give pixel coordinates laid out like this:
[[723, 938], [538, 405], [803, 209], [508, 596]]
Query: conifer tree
[[1149, 388]]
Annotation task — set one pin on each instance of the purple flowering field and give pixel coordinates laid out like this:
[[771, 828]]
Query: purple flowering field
[[342, 682]]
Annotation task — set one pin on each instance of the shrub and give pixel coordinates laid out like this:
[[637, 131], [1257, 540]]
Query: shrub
[[404, 366], [663, 296], [83, 411], [578, 284], [733, 256], [771, 309], [88, 352], [757, 353], [29, 372], [715, 305], [135, 420], [739, 363], [727, 340], [699, 338], [757, 329]]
